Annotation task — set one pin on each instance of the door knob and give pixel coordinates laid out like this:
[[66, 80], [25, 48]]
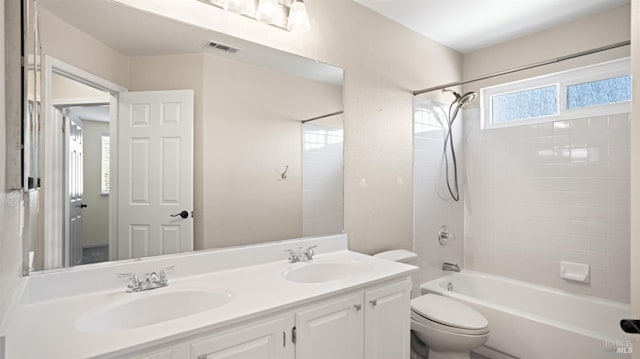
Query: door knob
[[183, 214], [83, 205]]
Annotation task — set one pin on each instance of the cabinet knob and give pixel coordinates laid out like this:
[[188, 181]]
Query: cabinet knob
[[357, 306], [373, 302]]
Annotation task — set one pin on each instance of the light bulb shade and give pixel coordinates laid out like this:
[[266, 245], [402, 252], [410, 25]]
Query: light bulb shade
[[298, 18], [267, 11], [237, 6]]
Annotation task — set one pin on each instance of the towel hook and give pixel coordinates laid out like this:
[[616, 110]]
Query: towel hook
[[284, 174]]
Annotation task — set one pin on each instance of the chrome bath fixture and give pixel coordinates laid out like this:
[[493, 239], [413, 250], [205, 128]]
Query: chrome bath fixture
[[444, 236], [154, 280], [450, 267], [300, 255], [459, 102]]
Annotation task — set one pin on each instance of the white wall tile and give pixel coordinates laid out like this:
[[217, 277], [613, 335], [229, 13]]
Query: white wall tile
[[565, 197]]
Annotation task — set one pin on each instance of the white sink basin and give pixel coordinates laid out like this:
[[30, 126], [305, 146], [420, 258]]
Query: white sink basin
[[146, 308], [319, 272]]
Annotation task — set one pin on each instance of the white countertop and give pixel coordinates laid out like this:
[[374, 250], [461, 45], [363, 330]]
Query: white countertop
[[47, 328]]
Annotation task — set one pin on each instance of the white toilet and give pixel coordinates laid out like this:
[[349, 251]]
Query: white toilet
[[449, 328]]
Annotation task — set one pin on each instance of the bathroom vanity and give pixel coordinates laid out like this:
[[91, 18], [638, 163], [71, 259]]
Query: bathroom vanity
[[244, 302]]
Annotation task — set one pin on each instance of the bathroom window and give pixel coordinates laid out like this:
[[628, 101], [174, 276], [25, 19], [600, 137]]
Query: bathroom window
[[601, 89]]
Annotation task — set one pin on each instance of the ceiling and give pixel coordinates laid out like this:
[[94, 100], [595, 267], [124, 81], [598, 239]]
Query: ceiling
[[469, 25], [134, 32]]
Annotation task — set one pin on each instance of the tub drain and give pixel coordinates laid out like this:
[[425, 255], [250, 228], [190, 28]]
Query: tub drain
[[450, 287]]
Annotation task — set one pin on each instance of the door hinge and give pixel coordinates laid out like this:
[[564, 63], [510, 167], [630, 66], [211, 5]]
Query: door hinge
[[294, 336], [284, 339]]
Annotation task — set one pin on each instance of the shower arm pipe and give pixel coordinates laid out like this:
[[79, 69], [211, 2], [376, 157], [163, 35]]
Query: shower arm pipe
[[324, 116], [526, 67]]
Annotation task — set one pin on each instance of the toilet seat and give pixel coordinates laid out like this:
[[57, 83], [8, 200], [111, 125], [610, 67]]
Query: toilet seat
[[448, 315]]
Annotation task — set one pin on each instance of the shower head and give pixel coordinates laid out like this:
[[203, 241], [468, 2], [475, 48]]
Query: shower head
[[463, 100]]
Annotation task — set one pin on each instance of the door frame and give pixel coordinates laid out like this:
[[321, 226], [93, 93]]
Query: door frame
[[55, 231]]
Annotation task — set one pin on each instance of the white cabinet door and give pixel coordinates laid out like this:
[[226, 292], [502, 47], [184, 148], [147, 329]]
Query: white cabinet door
[[264, 340], [387, 321], [331, 331]]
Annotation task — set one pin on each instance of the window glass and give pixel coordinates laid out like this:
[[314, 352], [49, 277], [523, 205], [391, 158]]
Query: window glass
[[525, 104], [601, 92]]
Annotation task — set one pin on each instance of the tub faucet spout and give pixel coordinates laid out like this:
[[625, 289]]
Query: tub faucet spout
[[446, 266]]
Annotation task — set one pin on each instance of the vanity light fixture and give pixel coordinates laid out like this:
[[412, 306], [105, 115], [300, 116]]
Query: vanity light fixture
[[267, 11], [237, 6], [289, 15], [298, 18]]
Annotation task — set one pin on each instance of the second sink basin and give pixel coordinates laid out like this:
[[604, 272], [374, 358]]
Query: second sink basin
[[319, 272], [152, 307]]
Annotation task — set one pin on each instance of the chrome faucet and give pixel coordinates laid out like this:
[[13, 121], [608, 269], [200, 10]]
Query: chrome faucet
[[446, 266], [300, 255], [308, 253], [154, 280]]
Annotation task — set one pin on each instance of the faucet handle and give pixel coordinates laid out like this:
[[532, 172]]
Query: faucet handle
[[163, 274], [310, 252], [293, 255], [134, 283]]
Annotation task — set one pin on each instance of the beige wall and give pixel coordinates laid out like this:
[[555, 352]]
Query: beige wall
[[74, 47], [63, 88], [599, 30], [95, 220], [247, 130], [252, 131], [383, 63]]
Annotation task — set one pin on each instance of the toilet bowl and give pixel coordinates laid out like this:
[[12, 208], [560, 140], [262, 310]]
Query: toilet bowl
[[450, 329]]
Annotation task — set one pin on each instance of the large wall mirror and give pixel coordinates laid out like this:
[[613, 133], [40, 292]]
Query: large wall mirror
[[159, 137]]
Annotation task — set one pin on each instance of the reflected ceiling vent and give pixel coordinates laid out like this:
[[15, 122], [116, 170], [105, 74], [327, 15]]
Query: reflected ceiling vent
[[222, 47]]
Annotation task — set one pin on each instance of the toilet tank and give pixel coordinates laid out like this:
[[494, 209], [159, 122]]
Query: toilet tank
[[408, 257]]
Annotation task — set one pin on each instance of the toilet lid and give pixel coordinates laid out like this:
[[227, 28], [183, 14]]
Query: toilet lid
[[448, 311]]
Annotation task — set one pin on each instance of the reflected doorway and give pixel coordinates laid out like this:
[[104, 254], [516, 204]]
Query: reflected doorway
[[85, 114]]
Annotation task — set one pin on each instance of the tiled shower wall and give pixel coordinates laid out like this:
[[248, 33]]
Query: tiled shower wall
[[540, 194], [322, 174], [431, 202]]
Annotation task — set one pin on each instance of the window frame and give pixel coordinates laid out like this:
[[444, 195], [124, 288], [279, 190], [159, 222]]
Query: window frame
[[562, 80]]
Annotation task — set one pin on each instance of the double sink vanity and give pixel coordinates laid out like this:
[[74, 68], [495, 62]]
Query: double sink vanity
[[243, 302]]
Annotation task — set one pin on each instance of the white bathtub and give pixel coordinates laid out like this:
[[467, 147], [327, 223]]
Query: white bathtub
[[532, 321]]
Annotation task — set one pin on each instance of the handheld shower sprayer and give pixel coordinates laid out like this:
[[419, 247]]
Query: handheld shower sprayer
[[459, 102]]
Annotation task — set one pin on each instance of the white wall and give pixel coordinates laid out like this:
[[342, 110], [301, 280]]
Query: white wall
[[383, 63], [525, 213]]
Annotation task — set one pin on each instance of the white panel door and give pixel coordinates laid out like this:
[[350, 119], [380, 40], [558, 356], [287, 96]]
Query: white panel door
[[263, 341], [76, 174], [155, 173], [332, 330], [387, 321]]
